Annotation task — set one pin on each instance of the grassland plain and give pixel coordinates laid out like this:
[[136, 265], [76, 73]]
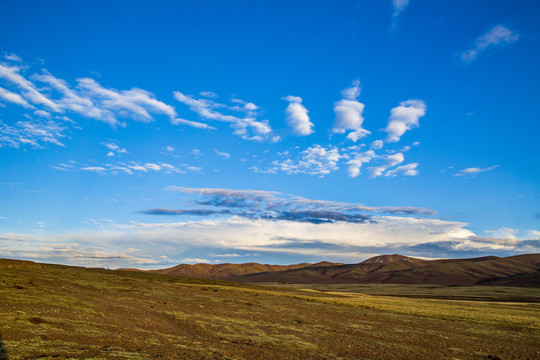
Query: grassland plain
[[53, 311]]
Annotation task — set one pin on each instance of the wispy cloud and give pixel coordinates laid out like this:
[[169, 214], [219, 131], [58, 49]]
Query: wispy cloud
[[349, 113], [497, 36], [29, 91], [399, 6], [88, 98], [470, 172], [408, 170], [114, 148], [131, 168], [246, 126], [403, 118], [34, 133], [14, 98], [297, 116], [136, 103], [222, 154], [315, 160], [389, 161], [359, 159]]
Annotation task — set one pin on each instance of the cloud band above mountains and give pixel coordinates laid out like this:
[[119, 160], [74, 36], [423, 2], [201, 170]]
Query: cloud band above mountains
[[265, 205]]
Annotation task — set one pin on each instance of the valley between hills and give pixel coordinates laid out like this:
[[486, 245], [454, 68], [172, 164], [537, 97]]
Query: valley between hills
[[387, 307]]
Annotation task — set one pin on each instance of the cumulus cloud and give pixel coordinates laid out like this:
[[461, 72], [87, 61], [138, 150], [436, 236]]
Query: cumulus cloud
[[349, 113], [470, 172], [403, 118], [497, 36], [297, 116]]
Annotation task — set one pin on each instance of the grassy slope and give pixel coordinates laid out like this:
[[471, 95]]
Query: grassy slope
[[56, 311]]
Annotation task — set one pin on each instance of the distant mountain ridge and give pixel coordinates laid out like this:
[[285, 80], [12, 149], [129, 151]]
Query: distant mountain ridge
[[519, 270], [225, 271]]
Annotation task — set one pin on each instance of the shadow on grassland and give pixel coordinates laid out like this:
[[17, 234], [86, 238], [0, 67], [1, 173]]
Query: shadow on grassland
[[3, 352]]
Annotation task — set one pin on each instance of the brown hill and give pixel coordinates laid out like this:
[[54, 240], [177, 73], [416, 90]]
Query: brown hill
[[521, 270], [225, 271], [391, 258]]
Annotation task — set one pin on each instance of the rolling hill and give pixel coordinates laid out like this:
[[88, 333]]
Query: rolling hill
[[519, 270]]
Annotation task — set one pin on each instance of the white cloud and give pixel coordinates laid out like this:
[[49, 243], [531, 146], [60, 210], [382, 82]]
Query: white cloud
[[399, 7], [225, 255], [403, 118], [195, 124], [347, 242], [94, 101], [316, 160], [135, 103], [34, 133], [197, 153], [209, 94], [377, 144], [222, 154], [12, 57], [499, 35], [247, 127], [14, 98], [30, 92], [470, 172], [134, 167], [297, 116], [67, 166], [114, 148], [195, 261], [349, 113], [389, 161], [408, 170], [97, 169], [357, 161], [352, 92], [42, 113], [504, 233], [169, 149]]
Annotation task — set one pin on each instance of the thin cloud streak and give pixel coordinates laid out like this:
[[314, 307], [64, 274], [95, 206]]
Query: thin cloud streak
[[497, 36]]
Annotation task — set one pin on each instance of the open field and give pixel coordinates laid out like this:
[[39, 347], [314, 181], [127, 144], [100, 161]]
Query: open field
[[52, 311], [480, 293]]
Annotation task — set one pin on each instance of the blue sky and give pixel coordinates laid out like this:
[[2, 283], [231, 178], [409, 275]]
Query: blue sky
[[147, 134]]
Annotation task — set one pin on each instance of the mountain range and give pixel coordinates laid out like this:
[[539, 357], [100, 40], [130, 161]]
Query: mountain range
[[519, 270]]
